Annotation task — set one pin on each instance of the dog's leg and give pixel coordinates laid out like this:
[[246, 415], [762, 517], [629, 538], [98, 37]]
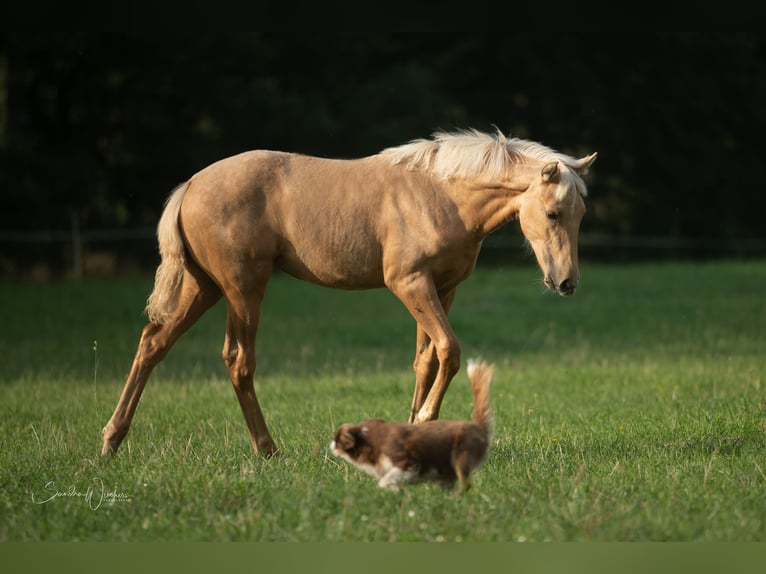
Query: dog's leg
[[464, 484], [388, 484], [393, 477], [463, 467]]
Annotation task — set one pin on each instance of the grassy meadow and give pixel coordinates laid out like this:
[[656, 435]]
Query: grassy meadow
[[634, 411]]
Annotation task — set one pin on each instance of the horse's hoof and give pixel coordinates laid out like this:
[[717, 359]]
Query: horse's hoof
[[107, 450], [268, 450], [111, 441]]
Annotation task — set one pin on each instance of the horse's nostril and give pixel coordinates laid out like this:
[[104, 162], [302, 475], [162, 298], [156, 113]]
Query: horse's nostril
[[567, 287]]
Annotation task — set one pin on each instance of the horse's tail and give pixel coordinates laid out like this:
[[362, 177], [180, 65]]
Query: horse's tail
[[480, 375], [169, 276]]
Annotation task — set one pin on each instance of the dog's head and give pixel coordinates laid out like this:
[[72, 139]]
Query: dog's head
[[350, 440]]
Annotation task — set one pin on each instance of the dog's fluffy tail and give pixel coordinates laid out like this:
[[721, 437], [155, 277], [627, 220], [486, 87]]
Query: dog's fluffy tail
[[480, 375]]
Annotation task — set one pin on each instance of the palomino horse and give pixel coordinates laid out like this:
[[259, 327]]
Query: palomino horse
[[410, 218]]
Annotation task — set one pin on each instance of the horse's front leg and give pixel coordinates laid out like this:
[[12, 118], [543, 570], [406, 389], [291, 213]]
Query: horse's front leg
[[437, 357], [426, 365]]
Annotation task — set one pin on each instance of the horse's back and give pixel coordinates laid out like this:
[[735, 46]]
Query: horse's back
[[230, 178], [314, 217], [280, 176]]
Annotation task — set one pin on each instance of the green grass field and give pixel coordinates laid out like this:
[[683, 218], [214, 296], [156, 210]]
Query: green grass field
[[634, 411]]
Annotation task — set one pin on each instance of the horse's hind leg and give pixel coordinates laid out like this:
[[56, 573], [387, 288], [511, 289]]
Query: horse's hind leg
[[198, 294], [244, 309]]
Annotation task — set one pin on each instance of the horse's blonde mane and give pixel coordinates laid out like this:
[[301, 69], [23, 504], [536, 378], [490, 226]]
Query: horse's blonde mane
[[470, 153]]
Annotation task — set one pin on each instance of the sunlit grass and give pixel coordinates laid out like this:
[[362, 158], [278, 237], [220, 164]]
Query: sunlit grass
[[632, 411]]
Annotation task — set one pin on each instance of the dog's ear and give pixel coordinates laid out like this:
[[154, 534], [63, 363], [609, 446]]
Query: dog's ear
[[348, 436]]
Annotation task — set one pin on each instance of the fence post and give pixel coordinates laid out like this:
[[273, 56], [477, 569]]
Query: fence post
[[76, 245]]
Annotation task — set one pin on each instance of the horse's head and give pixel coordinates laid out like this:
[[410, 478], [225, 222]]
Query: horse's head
[[550, 214]]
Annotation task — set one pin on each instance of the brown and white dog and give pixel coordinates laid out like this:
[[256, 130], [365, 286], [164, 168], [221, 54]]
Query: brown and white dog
[[440, 451]]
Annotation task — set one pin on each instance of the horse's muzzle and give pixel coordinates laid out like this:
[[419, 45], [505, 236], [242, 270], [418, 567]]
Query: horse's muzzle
[[565, 288]]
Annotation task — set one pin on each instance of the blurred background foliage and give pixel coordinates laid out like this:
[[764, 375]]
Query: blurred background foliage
[[95, 129]]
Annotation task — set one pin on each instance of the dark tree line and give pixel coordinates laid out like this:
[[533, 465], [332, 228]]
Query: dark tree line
[[101, 127]]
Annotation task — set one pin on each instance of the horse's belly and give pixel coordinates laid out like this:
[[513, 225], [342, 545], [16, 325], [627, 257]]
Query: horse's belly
[[338, 267]]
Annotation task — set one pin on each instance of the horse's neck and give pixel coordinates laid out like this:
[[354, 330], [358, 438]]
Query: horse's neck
[[488, 205]]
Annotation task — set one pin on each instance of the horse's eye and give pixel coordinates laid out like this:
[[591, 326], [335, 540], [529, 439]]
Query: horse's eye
[[552, 215]]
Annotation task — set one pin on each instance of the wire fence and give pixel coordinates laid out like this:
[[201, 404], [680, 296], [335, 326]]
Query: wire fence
[[77, 252]]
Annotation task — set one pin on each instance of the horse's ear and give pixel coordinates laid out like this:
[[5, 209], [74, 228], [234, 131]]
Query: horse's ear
[[584, 163], [550, 172]]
